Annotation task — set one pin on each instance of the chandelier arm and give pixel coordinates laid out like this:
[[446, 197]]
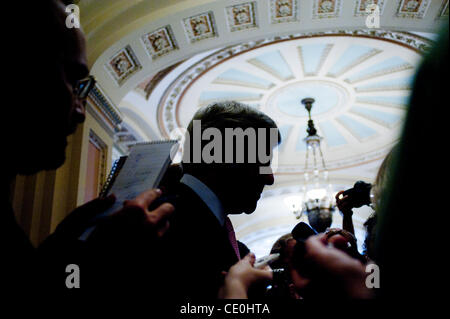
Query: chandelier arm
[[306, 159], [305, 183], [323, 159], [315, 158], [316, 169]]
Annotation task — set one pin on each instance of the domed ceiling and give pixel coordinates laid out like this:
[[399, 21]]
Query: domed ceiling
[[361, 84], [159, 61], [131, 40], [361, 87]]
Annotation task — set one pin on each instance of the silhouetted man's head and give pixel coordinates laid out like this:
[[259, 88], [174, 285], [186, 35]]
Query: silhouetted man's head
[[229, 147], [46, 109]]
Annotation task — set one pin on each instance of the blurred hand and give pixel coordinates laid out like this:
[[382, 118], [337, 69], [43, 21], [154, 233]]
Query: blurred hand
[[158, 219], [241, 276], [135, 219], [344, 204], [346, 272]]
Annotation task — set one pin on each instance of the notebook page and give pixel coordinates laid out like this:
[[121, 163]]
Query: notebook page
[[142, 171]]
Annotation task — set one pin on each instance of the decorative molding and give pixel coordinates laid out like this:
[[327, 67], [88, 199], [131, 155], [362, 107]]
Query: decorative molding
[[355, 133], [443, 12], [268, 13], [148, 85], [167, 109], [200, 27], [323, 9], [242, 16], [122, 65], [106, 108], [380, 103], [398, 87], [271, 70], [101, 146], [415, 9], [124, 137], [160, 42], [323, 58], [283, 11], [373, 119], [302, 59], [363, 58], [361, 6], [402, 67], [243, 83]]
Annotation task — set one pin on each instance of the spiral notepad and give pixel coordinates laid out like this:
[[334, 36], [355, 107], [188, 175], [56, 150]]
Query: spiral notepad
[[142, 170]]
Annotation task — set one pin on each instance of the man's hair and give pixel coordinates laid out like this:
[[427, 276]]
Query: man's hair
[[382, 178], [281, 244], [42, 24], [279, 247], [36, 79], [47, 17], [228, 114]]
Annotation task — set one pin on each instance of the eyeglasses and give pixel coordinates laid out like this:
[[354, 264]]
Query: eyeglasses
[[84, 87]]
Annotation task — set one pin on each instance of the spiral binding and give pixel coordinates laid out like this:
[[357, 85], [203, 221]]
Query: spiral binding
[[115, 169], [154, 142]]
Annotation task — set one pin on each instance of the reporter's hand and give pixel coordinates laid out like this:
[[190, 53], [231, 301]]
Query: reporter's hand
[[135, 219], [336, 265], [156, 220], [344, 204], [241, 276]]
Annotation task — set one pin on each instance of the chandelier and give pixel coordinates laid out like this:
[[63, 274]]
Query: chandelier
[[317, 200]]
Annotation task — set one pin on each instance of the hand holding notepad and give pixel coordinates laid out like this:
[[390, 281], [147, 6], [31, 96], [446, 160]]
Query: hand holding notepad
[[142, 170]]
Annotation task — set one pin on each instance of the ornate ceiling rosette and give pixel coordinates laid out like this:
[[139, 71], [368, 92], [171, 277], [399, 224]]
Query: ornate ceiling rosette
[[361, 81]]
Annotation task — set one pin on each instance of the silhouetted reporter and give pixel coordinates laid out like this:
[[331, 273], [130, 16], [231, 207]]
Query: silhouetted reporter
[[54, 104], [412, 223]]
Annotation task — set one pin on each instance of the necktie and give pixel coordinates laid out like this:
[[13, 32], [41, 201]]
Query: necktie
[[232, 237]]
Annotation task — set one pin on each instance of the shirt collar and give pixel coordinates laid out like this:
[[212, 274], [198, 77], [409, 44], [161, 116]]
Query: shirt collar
[[206, 195]]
